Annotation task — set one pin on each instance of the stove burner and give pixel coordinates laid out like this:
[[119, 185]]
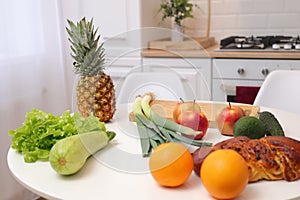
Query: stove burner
[[261, 42]]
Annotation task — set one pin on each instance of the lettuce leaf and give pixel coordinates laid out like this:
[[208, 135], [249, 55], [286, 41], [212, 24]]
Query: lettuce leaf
[[40, 131]]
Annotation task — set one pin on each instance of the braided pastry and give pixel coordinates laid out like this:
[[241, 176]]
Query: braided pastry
[[268, 158]]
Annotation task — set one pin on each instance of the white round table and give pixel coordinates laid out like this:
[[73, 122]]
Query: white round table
[[120, 172]]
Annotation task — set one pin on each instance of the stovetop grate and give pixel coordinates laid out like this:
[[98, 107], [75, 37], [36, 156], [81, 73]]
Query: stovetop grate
[[261, 42]]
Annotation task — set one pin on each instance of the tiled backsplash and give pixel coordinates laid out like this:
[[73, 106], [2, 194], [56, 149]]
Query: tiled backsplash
[[245, 17]]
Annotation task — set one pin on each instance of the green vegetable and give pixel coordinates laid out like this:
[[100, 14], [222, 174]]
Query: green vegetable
[[271, 124], [148, 137], [164, 122], [40, 131], [69, 155], [155, 132]]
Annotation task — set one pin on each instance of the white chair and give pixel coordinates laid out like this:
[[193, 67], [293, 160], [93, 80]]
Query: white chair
[[165, 85], [280, 89]]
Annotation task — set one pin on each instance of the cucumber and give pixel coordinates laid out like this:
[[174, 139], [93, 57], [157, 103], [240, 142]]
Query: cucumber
[[272, 126], [69, 155]]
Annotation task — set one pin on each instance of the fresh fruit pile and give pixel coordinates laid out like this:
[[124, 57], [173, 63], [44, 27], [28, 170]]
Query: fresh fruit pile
[[155, 130], [232, 121], [224, 173]]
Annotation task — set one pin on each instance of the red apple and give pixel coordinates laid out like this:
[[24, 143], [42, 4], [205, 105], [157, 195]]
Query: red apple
[[227, 118], [183, 107], [195, 120]]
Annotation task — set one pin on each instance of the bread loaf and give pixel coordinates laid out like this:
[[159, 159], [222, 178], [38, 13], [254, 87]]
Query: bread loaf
[[269, 158]]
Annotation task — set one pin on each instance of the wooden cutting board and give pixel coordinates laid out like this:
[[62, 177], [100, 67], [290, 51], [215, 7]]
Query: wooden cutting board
[[165, 108], [187, 44]]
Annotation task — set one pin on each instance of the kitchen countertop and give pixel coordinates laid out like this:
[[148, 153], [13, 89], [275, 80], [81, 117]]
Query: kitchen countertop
[[212, 53]]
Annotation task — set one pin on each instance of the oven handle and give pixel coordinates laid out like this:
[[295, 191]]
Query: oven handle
[[228, 89]]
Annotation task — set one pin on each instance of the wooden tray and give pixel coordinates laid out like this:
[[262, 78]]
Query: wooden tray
[[165, 109], [187, 44]]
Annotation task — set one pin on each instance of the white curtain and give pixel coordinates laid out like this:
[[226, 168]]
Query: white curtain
[[32, 72]]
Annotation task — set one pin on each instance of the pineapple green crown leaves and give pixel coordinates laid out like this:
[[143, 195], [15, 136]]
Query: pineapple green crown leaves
[[89, 57]]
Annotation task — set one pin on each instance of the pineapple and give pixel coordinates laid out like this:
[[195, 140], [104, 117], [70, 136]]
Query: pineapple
[[95, 90]]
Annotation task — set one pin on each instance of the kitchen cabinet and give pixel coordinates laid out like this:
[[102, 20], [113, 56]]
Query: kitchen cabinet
[[195, 73], [228, 69], [228, 74], [121, 23]]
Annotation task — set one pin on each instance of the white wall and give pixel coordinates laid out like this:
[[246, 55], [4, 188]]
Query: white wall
[[246, 17], [32, 75]]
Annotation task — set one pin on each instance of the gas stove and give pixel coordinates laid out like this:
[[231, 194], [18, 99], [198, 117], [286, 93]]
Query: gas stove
[[260, 43]]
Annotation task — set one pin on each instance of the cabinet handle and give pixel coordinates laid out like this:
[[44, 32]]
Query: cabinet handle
[[121, 38], [240, 71], [265, 71]]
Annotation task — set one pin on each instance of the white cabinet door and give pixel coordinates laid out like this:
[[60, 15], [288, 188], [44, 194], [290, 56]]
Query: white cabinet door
[[110, 16], [195, 74], [122, 23], [114, 18]]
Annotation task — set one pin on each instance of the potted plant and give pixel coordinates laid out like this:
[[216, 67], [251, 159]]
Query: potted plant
[[177, 10]]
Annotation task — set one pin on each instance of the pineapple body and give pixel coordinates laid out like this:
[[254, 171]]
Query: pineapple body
[[95, 90], [96, 95]]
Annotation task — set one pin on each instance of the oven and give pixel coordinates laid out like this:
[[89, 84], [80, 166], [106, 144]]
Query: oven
[[238, 80]]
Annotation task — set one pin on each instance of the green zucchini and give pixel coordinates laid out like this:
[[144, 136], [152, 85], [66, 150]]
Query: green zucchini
[[69, 155], [272, 126]]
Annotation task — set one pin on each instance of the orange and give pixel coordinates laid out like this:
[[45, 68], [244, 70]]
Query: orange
[[224, 174], [171, 164]]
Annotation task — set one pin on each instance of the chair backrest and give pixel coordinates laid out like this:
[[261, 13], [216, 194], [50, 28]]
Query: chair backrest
[[280, 89], [165, 85]]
